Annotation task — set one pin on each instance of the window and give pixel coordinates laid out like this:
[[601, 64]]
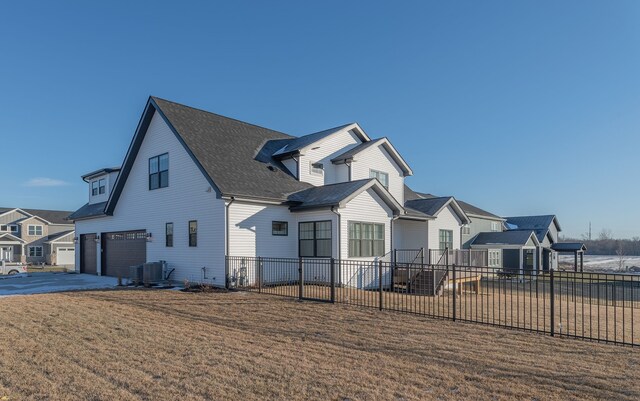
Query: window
[[366, 239], [168, 233], [94, 188], [193, 233], [466, 229], [35, 251], [316, 168], [14, 228], [4, 228], [314, 239], [381, 176], [494, 258], [101, 186], [446, 239], [34, 230], [279, 228], [495, 226], [159, 171]]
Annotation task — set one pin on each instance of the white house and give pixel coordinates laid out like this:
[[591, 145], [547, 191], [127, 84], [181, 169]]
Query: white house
[[195, 187]]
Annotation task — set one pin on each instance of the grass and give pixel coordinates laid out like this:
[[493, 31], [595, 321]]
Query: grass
[[167, 345]]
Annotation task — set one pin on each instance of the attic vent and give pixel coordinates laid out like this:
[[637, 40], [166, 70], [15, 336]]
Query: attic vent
[[316, 168]]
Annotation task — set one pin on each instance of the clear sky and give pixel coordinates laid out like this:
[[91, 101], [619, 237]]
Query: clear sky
[[517, 107]]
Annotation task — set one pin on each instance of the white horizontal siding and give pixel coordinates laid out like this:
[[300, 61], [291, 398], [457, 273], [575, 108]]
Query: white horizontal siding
[[408, 234], [327, 149], [188, 197], [377, 158], [445, 220]]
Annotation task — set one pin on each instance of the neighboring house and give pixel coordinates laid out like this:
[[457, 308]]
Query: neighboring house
[[36, 236], [546, 229], [195, 187]]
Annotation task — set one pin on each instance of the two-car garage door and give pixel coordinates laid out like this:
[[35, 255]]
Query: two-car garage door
[[119, 251]]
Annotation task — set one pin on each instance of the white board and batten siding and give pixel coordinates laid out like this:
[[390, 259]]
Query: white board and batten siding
[[447, 219], [188, 197], [322, 152], [377, 158]]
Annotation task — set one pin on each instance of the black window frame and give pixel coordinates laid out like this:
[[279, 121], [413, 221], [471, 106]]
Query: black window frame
[[156, 177], [361, 242], [440, 242], [315, 239], [286, 228], [193, 236], [168, 236]]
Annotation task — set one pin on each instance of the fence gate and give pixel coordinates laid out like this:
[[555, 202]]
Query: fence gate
[[316, 279]]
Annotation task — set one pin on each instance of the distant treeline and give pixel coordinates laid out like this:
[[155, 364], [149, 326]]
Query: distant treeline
[[610, 246]]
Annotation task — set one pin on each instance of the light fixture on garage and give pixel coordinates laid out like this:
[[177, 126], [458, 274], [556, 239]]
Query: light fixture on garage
[[149, 237], [75, 240], [97, 239]]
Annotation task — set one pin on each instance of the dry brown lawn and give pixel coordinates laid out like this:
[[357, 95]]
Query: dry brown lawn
[[167, 345]]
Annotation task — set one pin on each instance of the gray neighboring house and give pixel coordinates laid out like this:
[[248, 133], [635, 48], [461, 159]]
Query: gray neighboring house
[[546, 228], [36, 236]]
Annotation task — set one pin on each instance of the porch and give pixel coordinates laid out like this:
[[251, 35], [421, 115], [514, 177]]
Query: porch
[[12, 248]]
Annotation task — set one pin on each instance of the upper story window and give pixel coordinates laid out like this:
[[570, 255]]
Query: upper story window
[[446, 239], [98, 187], [495, 226], [466, 229], [381, 176], [316, 168], [34, 230], [159, 171]]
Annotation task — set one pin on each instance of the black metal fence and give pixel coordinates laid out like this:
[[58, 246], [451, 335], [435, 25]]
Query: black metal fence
[[594, 306]]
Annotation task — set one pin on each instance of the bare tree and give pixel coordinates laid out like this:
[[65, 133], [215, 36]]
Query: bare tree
[[605, 234], [620, 252]]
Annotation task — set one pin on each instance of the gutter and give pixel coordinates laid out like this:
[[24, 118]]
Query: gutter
[[226, 242]]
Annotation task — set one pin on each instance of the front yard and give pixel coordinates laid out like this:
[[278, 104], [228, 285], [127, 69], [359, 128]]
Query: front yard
[[167, 345]]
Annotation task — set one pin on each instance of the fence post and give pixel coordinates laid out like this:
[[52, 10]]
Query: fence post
[[455, 293], [380, 280], [552, 303], [333, 280], [422, 257], [393, 266], [300, 279], [259, 274]]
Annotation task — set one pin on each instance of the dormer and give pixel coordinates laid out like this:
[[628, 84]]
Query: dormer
[[101, 183]]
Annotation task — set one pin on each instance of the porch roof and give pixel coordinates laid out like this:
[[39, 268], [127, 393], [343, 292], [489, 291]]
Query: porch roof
[[504, 238], [7, 238], [569, 247]]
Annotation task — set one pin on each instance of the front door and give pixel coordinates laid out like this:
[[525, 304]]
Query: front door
[[6, 253]]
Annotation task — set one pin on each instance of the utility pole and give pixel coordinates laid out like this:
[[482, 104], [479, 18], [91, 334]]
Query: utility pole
[[589, 231]]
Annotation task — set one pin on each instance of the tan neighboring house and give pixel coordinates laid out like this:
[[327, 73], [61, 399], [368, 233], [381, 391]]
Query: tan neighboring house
[[36, 236]]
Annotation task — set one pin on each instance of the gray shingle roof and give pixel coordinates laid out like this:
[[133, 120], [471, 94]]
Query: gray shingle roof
[[327, 195], [349, 154], [93, 210], [294, 145], [471, 209], [519, 237], [428, 206], [52, 216], [235, 155], [61, 234], [531, 222], [569, 246]]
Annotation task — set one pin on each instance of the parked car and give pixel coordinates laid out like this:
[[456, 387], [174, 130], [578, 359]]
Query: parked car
[[10, 268]]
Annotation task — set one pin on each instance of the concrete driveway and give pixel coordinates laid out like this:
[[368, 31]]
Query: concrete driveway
[[41, 283]]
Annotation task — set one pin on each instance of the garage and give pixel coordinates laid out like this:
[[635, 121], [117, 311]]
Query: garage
[[120, 250], [66, 256], [88, 262]]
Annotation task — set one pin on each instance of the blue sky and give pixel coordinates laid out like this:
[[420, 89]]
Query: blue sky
[[518, 107]]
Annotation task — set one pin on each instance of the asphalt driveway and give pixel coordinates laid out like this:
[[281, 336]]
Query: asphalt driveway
[[41, 283]]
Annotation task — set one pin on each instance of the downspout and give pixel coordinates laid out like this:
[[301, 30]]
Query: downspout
[[226, 242], [348, 170], [339, 275]]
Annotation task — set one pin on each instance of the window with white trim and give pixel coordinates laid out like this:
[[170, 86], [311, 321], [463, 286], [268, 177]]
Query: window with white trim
[[34, 230], [35, 251], [365, 239], [316, 168], [13, 228], [446, 239], [494, 258], [381, 176], [4, 228], [495, 226], [466, 230]]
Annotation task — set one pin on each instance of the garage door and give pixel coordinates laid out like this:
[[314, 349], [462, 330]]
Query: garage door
[[88, 263], [120, 250], [66, 256]]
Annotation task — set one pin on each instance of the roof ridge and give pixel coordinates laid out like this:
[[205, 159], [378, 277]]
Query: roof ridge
[[220, 115]]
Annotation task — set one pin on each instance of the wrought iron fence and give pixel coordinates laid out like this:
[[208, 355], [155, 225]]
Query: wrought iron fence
[[594, 306]]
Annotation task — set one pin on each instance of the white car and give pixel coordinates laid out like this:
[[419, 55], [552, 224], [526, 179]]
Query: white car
[[9, 268]]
